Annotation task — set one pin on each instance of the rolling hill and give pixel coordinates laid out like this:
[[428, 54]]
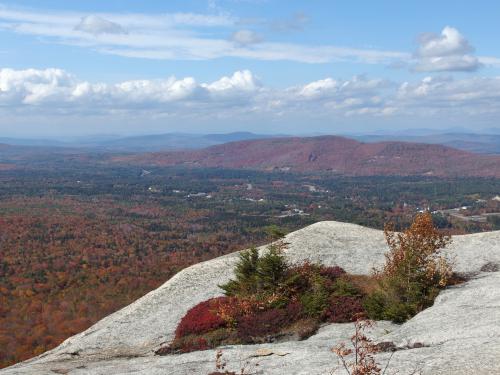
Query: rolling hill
[[478, 143], [330, 154]]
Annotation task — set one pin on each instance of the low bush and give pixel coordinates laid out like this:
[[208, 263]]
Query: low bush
[[344, 309], [332, 273], [253, 328], [201, 318], [257, 327], [270, 298]]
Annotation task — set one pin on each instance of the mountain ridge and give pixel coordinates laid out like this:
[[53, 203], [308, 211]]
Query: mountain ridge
[[330, 154]]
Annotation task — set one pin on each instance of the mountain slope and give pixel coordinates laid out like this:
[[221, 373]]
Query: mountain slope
[[459, 334], [478, 143], [330, 153]]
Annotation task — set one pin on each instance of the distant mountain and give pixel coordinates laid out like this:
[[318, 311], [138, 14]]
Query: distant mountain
[[479, 143], [143, 143], [32, 142], [174, 141], [330, 153], [474, 142]]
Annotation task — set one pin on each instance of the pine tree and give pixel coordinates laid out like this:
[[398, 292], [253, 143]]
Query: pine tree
[[245, 272], [256, 274], [271, 269]]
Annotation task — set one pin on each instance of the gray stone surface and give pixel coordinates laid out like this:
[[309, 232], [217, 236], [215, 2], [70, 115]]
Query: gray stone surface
[[460, 334]]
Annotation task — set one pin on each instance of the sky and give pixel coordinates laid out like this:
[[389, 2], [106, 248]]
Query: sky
[[127, 67]]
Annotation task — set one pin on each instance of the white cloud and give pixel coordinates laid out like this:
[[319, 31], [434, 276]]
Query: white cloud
[[328, 87], [25, 88], [246, 37], [241, 81], [31, 87], [175, 36], [466, 97], [449, 43], [55, 92], [449, 51], [97, 25]]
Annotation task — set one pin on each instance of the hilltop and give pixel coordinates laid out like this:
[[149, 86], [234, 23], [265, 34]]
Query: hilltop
[[330, 154], [459, 334]]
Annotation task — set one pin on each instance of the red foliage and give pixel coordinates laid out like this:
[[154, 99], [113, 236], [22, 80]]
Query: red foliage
[[342, 154], [333, 272], [294, 311], [201, 318], [262, 324], [66, 263], [344, 309]]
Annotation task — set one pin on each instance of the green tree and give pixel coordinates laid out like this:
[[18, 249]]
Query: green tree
[[414, 272], [258, 274], [245, 272]]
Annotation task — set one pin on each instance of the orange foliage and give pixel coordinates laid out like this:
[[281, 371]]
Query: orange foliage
[[73, 262]]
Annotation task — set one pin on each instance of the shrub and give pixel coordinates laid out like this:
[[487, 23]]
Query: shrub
[[375, 305], [272, 268], [332, 272], [315, 300], [294, 311], [268, 322], [268, 297], [258, 275], [262, 323], [344, 287], [245, 272], [201, 318], [344, 309], [361, 350], [414, 271]]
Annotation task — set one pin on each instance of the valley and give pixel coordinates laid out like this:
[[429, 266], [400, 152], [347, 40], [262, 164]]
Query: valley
[[81, 237]]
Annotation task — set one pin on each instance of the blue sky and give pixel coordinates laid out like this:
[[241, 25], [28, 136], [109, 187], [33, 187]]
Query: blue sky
[[135, 67]]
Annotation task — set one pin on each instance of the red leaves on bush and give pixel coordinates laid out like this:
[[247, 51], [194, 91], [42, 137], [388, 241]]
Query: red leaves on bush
[[344, 309], [267, 322], [262, 324], [294, 311], [332, 273], [202, 318]]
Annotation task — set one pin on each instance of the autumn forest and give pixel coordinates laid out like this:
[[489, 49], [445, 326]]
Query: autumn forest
[[80, 239]]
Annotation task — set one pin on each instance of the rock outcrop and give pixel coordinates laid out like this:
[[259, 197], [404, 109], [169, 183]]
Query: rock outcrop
[[459, 334]]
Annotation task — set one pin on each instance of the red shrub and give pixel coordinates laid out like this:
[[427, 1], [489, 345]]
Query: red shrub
[[262, 324], [294, 311], [343, 309], [332, 272], [201, 319]]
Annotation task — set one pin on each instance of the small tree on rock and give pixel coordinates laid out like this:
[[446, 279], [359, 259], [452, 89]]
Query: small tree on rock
[[414, 271]]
